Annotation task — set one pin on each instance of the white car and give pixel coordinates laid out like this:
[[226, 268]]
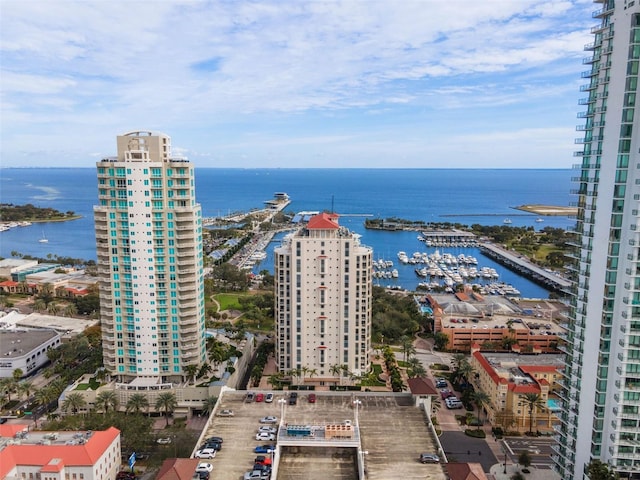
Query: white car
[[204, 467], [266, 429], [269, 419], [225, 413], [265, 437], [268, 398], [164, 441], [206, 453]]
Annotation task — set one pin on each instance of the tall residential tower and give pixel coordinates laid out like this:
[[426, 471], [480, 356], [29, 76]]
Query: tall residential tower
[[323, 301], [601, 395], [150, 262]]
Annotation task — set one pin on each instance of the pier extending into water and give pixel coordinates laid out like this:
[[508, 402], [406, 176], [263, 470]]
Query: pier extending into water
[[521, 264]]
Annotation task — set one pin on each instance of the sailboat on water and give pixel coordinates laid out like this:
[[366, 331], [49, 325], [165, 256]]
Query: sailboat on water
[[43, 239]]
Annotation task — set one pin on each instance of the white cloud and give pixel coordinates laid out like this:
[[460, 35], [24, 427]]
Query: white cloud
[[287, 69]]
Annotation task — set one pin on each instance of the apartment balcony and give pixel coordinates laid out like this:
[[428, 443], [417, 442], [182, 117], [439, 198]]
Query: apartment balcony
[[188, 330], [187, 296], [186, 244], [603, 12], [187, 272]]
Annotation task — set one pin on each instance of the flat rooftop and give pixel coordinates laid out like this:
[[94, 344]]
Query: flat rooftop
[[18, 342], [393, 433], [38, 321]]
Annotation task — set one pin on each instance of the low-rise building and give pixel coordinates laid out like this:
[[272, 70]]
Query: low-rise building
[[495, 323], [59, 455], [25, 349], [508, 379]]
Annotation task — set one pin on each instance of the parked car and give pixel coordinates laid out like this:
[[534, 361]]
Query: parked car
[[312, 398], [268, 397], [453, 403], [269, 419], [250, 397], [204, 467], [214, 445], [214, 439], [259, 397], [164, 441], [205, 453], [265, 437], [264, 449], [429, 458], [441, 383], [200, 476], [125, 476], [225, 413], [262, 460], [255, 475], [293, 398], [445, 393], [267, 429]]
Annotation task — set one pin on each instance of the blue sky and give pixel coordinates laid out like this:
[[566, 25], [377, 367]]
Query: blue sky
[[354, 83]]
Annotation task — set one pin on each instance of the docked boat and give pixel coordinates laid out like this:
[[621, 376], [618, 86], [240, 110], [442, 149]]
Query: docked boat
[[539, 220], [507, 221]]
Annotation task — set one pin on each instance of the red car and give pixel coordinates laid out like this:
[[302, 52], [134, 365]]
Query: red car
[[312, 398], [260, 397]]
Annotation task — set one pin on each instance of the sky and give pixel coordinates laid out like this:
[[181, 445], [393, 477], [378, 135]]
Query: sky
[[295, 84]]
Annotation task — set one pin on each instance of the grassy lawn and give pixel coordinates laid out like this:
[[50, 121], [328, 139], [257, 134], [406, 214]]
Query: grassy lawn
[[228, 301]]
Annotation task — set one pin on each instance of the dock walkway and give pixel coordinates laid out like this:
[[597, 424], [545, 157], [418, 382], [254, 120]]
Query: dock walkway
[[521, 264]]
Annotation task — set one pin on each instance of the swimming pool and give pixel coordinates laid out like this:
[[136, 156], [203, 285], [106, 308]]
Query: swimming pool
[[426, 310], [553, 405]]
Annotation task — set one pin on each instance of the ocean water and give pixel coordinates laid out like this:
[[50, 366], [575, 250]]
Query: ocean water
[[465, 196]]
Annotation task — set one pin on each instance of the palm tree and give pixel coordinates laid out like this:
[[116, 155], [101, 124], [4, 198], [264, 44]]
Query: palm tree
[[408, 349], [166, 401], [312, 372], [335, 370], [25, 388], [533, 401], [8, 386], [480, 398], [53, 308], [107, 399], [209, 404], [70, 310], [39, 305], [74, 402], [44, 396], [415, 368], [190, 371], [136, 403], [465, 370]]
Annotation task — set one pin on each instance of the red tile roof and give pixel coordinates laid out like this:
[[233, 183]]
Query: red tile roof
[[463, 297], [9, 283], [324, 221], [484, 363], [524, 389], [465, 471], [177, 469], [50, 457], [421, 386]]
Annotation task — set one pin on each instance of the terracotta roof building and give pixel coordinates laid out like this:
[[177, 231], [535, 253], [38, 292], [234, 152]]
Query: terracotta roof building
[[68, 455], [177, 469]]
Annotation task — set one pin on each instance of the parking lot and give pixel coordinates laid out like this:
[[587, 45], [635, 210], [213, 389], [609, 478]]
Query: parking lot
[[393, 432]]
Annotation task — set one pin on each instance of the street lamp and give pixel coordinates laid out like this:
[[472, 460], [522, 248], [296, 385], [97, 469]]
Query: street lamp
[[282, 403], [357, 403], [504, 448]]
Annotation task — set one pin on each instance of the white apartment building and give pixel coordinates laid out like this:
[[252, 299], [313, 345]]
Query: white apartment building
[[323, 301], [149, 249], [601, 391]]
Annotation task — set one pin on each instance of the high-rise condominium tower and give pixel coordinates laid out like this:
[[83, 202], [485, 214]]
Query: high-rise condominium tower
[[323, 300], [149, 248], [601, 415]]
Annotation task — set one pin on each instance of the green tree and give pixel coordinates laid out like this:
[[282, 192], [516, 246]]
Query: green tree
[[598, 470], [107, 399], [74, 402], [481, 399], [415, 369], [441, 340], [533, 402], [166, 402], [25, 388], [17, 374], [210, 404], [406, 344], [136, 403], [190, 372], [524, 459], [8, 386]]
